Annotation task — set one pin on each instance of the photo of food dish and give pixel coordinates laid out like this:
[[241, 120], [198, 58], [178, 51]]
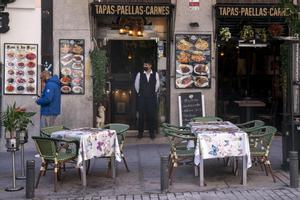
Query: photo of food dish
[[184, 69], [30, 64], [30, 56], [21, 55], [200, 81], [10, 88], [65, 48], [66, 89], [183, 45], [201, 44], [77, 58], [200, 69], [77, 49], [77, 73], [66, 71], [77, 66], [65, 80], [184, 81], [77, 89], [197, 58], [183, 57], [10, 54], [30, 89], [76, 81], [192, 60]]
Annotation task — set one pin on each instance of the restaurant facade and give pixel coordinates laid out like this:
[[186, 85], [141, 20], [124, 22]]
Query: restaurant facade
[[182, 38]]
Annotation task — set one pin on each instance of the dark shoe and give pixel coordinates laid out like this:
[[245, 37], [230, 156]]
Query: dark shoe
[[139, 136], [152, 136]]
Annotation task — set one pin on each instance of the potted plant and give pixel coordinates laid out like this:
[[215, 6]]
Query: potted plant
[[15, 120], [225, 34], [99, 63], [275, 30], [261, 34], [247, 33]]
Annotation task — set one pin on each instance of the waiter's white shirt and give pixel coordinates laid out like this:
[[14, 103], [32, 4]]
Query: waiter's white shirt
[[137, 81]]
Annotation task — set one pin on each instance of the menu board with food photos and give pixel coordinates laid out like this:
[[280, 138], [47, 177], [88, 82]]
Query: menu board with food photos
[[71, 62], [193, 60], [20, 68]]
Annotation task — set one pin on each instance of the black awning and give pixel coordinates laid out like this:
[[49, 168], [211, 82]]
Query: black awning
[[235, 16]]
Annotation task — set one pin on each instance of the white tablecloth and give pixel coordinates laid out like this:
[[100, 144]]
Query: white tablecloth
[[93, 142], [219, 140]]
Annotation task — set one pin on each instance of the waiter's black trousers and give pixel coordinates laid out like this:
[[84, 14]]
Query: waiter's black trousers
[[147, 110]]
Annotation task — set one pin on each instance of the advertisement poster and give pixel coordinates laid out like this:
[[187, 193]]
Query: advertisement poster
[[193, 60], [20, 69], [71, 62]]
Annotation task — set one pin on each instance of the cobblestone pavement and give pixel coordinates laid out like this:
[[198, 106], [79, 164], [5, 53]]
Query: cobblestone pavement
[[230, 194]]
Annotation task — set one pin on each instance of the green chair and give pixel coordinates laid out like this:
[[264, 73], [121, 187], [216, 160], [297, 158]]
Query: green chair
[[47, 131], [206, 119], [49, 153], [121, 130], [250, 125], [260, 141], [183, 129], [179, 154]]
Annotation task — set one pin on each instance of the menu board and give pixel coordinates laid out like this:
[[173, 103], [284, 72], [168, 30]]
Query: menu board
[[190, 105], [193, 60], [71, 63], [20, 69]]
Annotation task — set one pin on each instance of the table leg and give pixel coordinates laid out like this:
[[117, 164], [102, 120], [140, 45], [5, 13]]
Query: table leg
[[196, 170], [245, 158], [83, 172], [201, 172], [113, 166]]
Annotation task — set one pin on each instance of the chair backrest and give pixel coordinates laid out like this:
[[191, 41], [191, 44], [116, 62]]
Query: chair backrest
[[251, 125], [261, 138], [46, 147], [119, 128], [206, 119], [47, 131]]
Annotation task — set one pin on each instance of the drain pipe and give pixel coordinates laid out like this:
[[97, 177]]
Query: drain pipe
[[294, 169]]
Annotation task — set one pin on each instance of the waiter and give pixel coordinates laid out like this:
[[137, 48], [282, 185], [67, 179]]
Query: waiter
[[147, 85]]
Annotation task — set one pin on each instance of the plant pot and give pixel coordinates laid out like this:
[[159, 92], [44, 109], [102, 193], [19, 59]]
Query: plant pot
[[23, 135], [12, 144]]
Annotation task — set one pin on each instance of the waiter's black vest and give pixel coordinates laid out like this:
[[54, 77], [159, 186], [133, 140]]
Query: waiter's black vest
[[147, 89]]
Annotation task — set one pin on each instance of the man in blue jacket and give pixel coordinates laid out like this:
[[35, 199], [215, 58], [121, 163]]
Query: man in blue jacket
[[50, 99]]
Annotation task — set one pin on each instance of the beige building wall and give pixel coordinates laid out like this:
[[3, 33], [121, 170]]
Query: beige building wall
[[183, 16], [71, 20], [25, 27]]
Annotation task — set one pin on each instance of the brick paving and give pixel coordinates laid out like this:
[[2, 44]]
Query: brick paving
[[143, 180], [230, 194]]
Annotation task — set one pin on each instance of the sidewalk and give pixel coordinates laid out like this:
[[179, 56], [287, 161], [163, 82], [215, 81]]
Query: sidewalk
[[143, 180]]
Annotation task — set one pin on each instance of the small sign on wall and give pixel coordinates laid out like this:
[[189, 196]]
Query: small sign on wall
[[194, 4]]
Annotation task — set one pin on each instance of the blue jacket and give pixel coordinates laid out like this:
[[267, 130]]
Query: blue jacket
[[50, 99]]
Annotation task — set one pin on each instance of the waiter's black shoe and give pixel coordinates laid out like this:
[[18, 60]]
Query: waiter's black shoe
[[152, 136], [139, 135]]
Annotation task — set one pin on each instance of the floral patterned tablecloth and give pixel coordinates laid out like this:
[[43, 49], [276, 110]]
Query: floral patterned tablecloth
[[93, 142], [219, 140]]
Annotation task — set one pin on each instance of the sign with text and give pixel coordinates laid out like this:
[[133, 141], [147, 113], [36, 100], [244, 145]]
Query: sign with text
[[190, 105], [123, 9], [253, 10], [194, 4]]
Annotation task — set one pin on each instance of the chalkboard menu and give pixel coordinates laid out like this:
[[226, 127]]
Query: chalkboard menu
[[190, 105]]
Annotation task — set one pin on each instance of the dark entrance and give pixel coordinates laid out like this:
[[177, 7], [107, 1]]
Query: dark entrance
[[127, 57]]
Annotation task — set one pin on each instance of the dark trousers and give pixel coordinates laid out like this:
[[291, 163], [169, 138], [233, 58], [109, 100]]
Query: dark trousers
[[147, 110]]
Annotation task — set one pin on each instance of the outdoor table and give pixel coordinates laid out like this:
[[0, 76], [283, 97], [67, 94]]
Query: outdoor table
[[249, 104], [93, 142], [219, 140]]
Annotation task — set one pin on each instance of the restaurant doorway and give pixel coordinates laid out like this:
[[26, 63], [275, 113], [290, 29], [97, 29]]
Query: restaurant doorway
[[250, 73], [126, 60]]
